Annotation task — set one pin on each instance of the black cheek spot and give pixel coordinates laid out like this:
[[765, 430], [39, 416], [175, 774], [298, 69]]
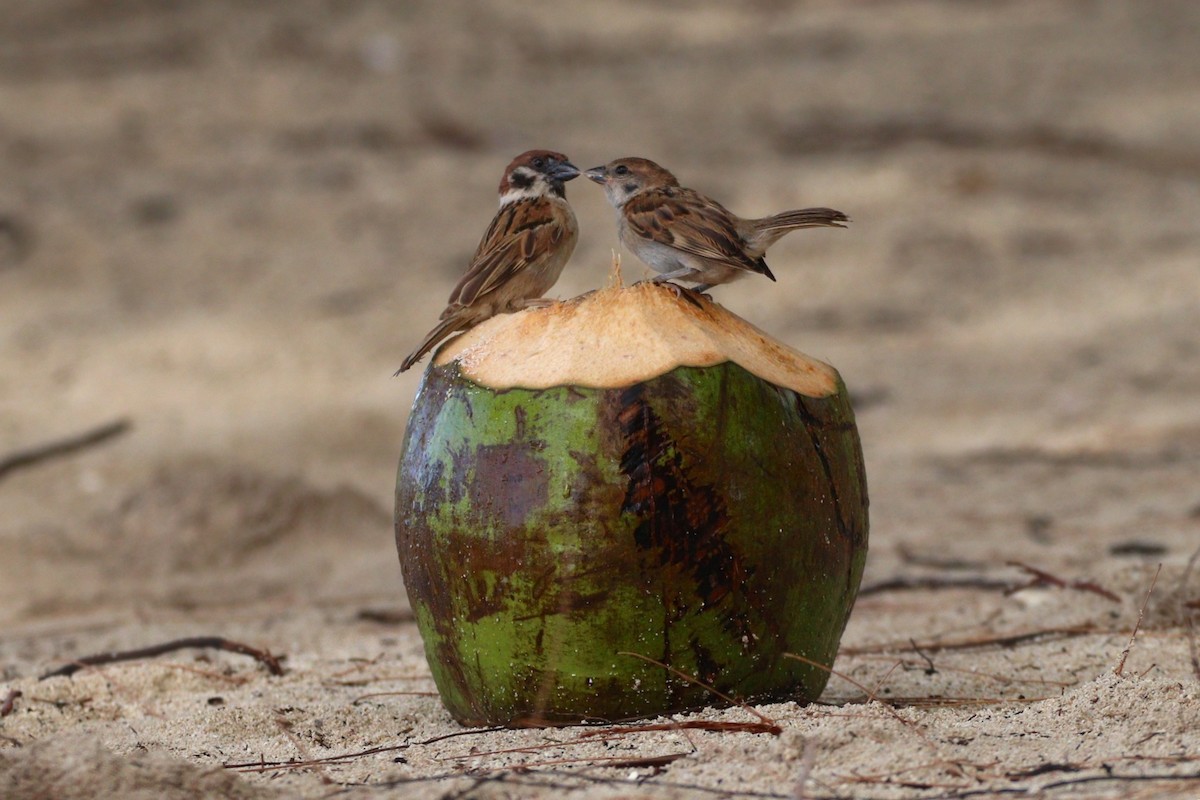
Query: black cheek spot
[[631, 187], [521, 180]]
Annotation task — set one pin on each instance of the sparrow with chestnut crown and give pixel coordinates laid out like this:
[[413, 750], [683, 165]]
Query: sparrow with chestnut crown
[[684, 235], [522, 253]]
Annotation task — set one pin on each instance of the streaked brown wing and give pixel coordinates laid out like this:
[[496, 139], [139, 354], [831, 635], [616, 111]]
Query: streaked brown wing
[[520, 233], [688, 221]]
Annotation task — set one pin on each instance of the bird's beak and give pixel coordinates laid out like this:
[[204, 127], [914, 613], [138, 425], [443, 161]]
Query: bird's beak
[[564, 171], [597, 174]]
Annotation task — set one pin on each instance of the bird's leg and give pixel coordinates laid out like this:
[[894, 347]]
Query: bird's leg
[[679, 291]]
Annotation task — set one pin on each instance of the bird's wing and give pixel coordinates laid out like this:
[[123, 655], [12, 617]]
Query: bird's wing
[[690, 222], [521, 233]]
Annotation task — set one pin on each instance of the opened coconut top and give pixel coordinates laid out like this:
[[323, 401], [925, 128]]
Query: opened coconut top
[[625, 335]]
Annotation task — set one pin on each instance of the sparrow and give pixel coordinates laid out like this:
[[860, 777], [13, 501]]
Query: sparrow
[[684, 235], [523, 252]]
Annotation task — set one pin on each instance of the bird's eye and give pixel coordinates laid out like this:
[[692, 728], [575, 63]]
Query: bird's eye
[[622, 170], [539, 163]]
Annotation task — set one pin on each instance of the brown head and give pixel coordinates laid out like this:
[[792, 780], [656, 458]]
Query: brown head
[[626, 177], [535, 173]]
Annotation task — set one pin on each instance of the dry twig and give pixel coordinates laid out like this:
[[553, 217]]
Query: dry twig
[[906, 584], [6, 707], [772, 727], [268, 766], [935, 701], [655, 762], [597, 761], [286, 727], [1043, 578], [1137, 625], [910, 556], [1005, 640], [363, 697], [870, 693], [1193, 649], [61, 447], [386, 616], [712, 725], [909, 664], [264, 657], [596, 736]]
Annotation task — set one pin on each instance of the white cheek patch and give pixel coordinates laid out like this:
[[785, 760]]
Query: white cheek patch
[[523, 184], [513, 195], [619, 195]]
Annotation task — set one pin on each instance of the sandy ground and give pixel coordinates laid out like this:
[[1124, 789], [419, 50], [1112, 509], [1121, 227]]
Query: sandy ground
[[227, 223]]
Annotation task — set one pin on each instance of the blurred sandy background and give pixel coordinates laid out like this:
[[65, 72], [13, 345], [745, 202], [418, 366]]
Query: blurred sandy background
[[227, 222]]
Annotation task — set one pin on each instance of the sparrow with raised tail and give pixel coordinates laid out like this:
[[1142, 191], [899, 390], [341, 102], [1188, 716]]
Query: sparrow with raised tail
[[684, 235], [522, 253]]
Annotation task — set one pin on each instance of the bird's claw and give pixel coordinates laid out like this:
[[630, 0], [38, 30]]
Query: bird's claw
[[684, 293]]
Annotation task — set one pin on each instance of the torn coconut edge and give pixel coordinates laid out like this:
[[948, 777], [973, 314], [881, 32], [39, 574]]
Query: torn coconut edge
[[620, 336]]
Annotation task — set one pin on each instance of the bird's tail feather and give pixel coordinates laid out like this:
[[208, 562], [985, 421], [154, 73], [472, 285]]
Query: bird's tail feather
[[803, 218], [769, 230], [440, 331]]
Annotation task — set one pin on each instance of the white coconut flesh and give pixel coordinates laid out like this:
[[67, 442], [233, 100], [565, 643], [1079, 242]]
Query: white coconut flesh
[[621, 336]]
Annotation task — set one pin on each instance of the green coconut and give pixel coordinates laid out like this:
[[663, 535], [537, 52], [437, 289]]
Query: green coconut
[[625, 505]]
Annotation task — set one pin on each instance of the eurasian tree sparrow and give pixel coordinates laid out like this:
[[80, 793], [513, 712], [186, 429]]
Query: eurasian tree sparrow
[[522, 253], [684, 235]]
